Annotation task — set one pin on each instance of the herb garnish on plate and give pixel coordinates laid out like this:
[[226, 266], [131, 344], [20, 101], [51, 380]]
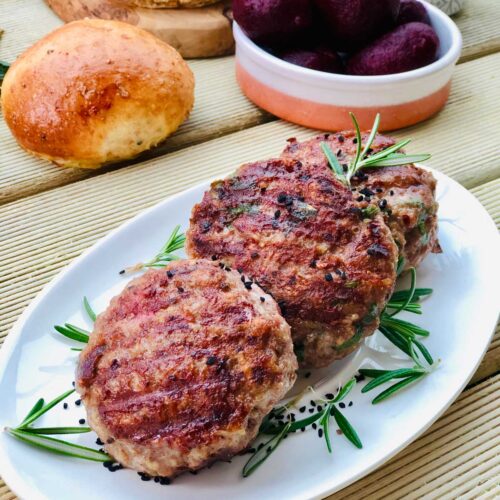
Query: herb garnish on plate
[[388, 157]]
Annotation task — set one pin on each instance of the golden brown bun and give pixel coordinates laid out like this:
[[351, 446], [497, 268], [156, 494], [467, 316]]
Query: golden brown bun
[[94, 92], [168, 4]]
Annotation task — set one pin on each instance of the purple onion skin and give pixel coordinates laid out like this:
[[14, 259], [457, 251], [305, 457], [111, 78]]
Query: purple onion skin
[[351, 24], [273, 23], [407, 47], [413, 11], [320, 59]]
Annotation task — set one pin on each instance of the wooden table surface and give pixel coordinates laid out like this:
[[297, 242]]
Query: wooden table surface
[[49, 215]]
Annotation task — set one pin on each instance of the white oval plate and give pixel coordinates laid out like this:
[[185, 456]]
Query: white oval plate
[[461, 315]]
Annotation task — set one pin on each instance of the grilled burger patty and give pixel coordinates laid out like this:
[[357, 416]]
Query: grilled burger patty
[[404, 194], [298, 233], [182, 367]]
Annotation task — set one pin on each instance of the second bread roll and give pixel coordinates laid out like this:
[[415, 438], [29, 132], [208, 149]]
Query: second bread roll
[[94, 92]]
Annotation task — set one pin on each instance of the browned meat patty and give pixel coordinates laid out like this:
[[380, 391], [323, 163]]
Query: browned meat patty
[[182, 367], [404, 194], [298, 233]]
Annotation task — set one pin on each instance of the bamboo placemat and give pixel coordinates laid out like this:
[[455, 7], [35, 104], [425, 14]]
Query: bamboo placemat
[[50, 215]]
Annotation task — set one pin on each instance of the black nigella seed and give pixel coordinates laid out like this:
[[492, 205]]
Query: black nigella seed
[[311, 410], [366, 192], [360, 198], [320, 408], [329, 396], [302, 409], [307, 375], [156, 479], [180, 289], [328, 277], [73, 383], [81, 421], [254, 255], [261, 445], [314, 426], [145, 477], [303, 429], [78, 402], [214, 257], [344, 167], [262, 299], [312, 403], [170, 274], [211, 360], [122, 271], [269, 449], [339, 153], [165, 481], [313, 264], [350, 403], [277, 214], [359, 377], [242, 278], [355, 140], [379, 190], [320, 433], [341, 273], [342, 405], [382, 203], [391, 192], [282, 198], [340, 138], [107, 464], [262, 190], [99, 442], [65, 406], [248, 285]]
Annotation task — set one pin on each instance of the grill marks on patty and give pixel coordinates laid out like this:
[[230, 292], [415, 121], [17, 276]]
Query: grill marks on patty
[[182, 367], [404, 194], [295, 215]]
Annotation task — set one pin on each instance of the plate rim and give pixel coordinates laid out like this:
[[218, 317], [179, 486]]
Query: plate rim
[[17, 484]]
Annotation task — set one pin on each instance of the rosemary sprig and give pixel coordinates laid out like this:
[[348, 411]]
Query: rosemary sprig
[[280, 431], [166, 254], [403, 335], [407, 375], [388, 157], [39, 436], [75, 332], [59, 446]]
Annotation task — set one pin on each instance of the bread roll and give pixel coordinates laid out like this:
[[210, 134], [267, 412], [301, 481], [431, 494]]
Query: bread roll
[[94, 92]]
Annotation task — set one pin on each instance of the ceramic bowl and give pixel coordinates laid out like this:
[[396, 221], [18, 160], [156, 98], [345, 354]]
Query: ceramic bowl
[[323, 100]]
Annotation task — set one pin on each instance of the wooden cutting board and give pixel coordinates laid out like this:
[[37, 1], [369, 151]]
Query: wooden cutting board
[[201, 32]]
